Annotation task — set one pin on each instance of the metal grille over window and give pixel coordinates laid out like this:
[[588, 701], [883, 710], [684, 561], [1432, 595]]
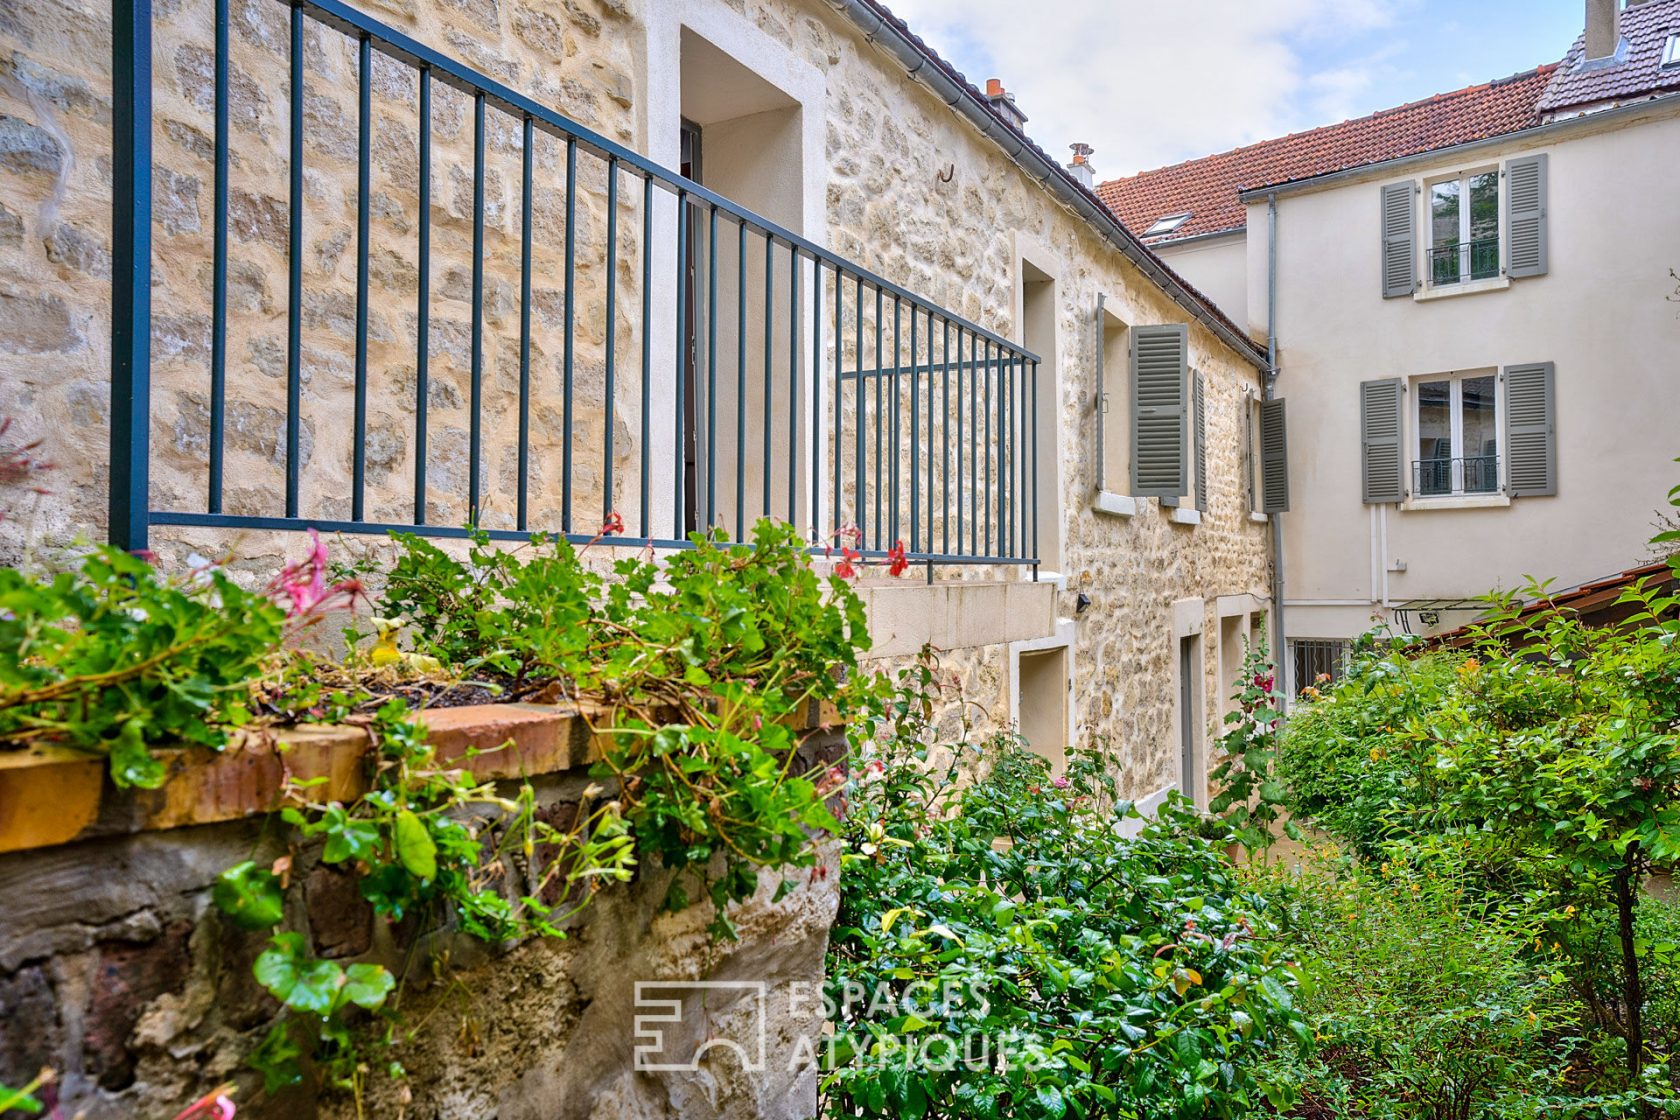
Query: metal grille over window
[[1318, 662]]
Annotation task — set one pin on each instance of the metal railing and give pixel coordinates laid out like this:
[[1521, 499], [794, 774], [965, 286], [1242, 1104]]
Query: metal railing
[[1474, 474], [767, 376], [1461, 261]]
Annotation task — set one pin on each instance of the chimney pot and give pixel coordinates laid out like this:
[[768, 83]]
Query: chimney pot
[[1004, 102], [1081, 168]]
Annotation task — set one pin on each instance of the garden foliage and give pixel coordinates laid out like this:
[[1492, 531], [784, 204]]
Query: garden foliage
[[1004, 950]]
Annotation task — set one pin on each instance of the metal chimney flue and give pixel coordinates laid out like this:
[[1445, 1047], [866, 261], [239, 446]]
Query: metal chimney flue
[[1081, 168]]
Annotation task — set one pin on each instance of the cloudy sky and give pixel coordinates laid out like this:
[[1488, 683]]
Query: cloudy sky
[[1152, 82]]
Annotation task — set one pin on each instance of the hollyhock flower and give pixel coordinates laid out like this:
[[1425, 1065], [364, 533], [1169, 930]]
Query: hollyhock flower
[[1060, 782], [614, 524], [896, 561]]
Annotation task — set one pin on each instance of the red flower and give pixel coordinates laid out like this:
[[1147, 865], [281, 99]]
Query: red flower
[[613, 525], [896, 560], [847, 568]]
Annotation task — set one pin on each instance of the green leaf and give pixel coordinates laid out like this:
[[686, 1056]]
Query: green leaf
[[132, 764], [1051, 1101], [415, 848], [367, 985], [278, 1059], [295, 979], [249, 895]]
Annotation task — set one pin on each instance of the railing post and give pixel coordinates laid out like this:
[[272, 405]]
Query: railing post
[[131, 273]]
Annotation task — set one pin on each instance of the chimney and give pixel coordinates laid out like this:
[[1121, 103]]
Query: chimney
[[1603, 31], [1004, 102], [1080, 168]]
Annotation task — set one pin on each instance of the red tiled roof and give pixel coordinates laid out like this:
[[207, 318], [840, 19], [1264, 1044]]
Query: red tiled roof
[[1635, 72], [1208, 187]]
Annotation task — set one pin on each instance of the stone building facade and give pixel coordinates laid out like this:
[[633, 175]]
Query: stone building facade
[[808, 114], [815, 125]]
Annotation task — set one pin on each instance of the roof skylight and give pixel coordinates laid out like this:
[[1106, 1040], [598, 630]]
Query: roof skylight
[[1167, 224], [1671, 50]]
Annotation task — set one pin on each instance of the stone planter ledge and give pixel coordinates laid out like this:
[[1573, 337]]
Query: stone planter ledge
[[52, 795]]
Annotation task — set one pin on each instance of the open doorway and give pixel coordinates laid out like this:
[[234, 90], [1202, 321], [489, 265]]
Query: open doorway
[[1043, 707], [742, 138], [1191, 768], [1038, 335], [691, 168]]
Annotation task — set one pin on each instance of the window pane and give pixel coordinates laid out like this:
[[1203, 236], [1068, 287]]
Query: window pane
[[1443, 232], [1484, 225], [1435, 447], [1481, 436]]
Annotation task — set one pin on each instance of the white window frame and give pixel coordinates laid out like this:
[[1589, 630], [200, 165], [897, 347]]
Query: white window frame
[[1462, 178], [1455, 409], [1167, 223], [1671, 50]]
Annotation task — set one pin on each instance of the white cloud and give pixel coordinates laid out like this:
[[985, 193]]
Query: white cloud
[[1152, 82]]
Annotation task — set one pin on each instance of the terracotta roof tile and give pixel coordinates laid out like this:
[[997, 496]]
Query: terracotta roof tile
[[1637, 72], [1208, 187]]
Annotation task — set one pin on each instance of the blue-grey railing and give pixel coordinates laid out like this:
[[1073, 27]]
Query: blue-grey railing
[[1459, 261], [1473, 474], [876, 410]]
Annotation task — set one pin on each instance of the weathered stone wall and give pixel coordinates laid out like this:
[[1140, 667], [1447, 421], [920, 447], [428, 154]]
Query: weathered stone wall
[[55, 186], [916, 194], [913, 192], [117, 972]]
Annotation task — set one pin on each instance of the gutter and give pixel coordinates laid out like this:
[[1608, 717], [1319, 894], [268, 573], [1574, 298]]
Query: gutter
[[1538, 132], [923, 65], [1280, 644]]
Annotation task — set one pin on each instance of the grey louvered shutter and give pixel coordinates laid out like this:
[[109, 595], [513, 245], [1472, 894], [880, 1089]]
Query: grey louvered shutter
[[1525, 216], [1274, 457], [1160, 357], [1201, 442], [1530, 430], [1382, 470], [1399, 259]]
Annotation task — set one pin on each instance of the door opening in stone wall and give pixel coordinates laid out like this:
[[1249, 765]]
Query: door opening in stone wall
[[691, 168], [1192, 779], [742, 137], [1043, 682], [1038, 334]]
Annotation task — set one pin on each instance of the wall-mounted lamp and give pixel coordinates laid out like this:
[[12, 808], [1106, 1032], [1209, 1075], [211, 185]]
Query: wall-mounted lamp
[[1082, 603]]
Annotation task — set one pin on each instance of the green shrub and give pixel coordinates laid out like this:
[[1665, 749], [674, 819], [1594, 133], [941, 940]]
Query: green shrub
[[115, 658], [1426, 1003], [991, 910], [1341, 757]]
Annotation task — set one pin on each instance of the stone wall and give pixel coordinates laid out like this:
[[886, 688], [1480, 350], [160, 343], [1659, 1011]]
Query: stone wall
[[117, 972], [913, 192], [55, 186], [917, 194]]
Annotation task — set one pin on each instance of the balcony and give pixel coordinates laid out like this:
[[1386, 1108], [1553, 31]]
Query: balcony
[[1458, 262], [495, 316], [1439, 478]]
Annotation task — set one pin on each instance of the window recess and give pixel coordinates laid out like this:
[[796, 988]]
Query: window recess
[[1464, 228]]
